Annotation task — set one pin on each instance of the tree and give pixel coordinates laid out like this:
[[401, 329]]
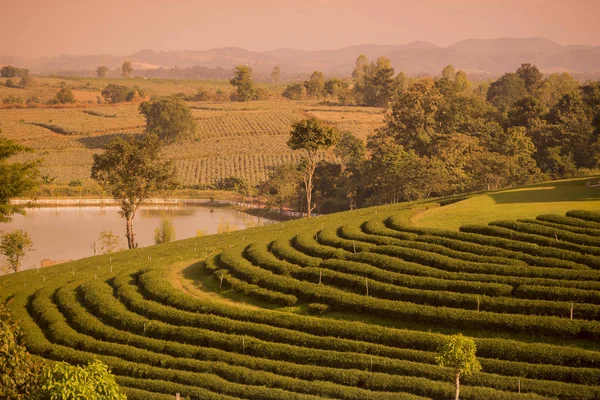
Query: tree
[[294, 91], [64, 96], [14, 245], [311, 136], [449, 73], [9, 71], [101, 71], [19, 373], [109, 242], [92, 382], [115, 93], [555, 87], [413, 120], [374, 83], [165, 233], [131, 171], [169, 118], [16, 179], [315, 86], [531, 75], [242, 81], [282, 185], [276, 74], [26, 81], [458, 353], [507, 90], [126, 69]]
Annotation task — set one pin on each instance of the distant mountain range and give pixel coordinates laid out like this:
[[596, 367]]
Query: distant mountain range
[[475, 56]]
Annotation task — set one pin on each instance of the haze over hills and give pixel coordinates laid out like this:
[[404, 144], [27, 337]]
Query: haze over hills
[[475, 56]]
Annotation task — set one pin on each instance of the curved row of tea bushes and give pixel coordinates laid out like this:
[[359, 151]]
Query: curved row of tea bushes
[[586, 255], [124, 360], [174, 354], [563, 227], [151, 284], [591, 216], [353, 277], [456, 318], [283, 250], [558, 293], [453, 265], [552, 233], [355, 233], [569, 221], [475, 234], [499, 248], [374, 380], [134, 301], [393, 264]]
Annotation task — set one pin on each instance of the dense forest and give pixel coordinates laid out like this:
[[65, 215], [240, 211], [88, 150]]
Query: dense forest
[[446, 135]]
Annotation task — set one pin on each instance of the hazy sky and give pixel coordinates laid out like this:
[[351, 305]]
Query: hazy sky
[[50, 27]]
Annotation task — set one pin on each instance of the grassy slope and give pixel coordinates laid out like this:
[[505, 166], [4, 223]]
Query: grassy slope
[[189, 276], [554, 197]]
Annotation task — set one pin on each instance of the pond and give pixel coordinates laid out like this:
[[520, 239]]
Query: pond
[[69, 233]]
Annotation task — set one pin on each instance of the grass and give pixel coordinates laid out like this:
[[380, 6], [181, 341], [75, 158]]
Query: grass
[[556, 197], [167, 306]]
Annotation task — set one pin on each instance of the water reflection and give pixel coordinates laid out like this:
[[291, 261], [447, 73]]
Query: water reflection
[[69, 233]]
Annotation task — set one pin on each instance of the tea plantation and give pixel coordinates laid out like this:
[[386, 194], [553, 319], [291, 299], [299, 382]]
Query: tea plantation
[[346, 306]]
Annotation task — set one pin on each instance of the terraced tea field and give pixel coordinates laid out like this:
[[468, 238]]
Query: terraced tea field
[[242, 139], [347, 306]]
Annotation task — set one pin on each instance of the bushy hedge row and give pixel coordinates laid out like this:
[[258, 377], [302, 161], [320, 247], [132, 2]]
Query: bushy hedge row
[[284, 251], [564, 227], [139, 394], [183, 359], [152, 284], [558, 293], [135, 302], [307, 244], [167, 314], [591, 216], [224, 277], [136, 389], [569, 221], [171, 368], [377, 227], [392, 366], [531, 253], [394, 264], [357, 284], [561, 280], [456, 318], [417, 282], [356, 234], [552, 233], [331, 237], [453, 265], [585, 255]]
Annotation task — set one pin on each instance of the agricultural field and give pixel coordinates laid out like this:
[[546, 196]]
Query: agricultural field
[[347, 306], [242, 139]]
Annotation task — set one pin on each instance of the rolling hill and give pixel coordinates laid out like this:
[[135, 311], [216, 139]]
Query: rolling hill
[[475, 56], [347, 306]]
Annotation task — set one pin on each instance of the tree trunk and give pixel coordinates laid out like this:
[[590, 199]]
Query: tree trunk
[[457, 385], [308, 188], [129, 234]]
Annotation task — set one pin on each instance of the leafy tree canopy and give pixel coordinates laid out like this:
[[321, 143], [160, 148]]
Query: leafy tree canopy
[[16, 179], [169, 118]]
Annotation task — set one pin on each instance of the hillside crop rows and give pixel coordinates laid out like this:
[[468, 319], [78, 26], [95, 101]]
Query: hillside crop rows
[[388, 292], [244, 140]]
